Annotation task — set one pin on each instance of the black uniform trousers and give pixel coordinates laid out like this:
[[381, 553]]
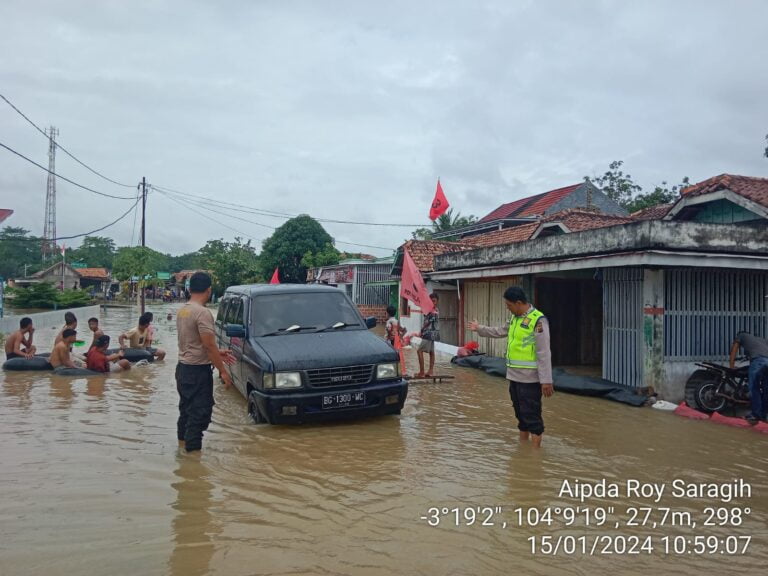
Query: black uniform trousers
[[194, 383]]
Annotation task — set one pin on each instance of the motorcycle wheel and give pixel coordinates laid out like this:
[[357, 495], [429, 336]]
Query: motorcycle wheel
[[700, 392]]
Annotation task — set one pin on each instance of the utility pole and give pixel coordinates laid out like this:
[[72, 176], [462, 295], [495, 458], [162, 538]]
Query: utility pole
[[143, 234], [49, 226]]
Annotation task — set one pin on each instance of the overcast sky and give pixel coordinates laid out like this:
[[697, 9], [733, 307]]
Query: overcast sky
[[351, 110]]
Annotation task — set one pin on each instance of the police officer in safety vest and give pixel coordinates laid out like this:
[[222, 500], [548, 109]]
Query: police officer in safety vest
[[529, 361]]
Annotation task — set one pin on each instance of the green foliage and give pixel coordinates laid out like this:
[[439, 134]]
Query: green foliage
[[620, 188], [286, 248], [231, 263], [444, 223], [189, 261], [138, 261], [660, 195], [95, 251], [73, 299], [18, 248], [325, 257], [45, 295]]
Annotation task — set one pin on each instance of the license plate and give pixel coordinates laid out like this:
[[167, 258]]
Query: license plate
[[343, 399]]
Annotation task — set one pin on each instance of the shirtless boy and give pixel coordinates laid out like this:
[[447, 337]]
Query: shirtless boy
[[60, 358], [70, 323], [19, 344]]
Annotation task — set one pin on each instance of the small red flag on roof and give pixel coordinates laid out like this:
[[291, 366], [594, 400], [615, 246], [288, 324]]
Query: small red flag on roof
[[439, 204], [275, 277]]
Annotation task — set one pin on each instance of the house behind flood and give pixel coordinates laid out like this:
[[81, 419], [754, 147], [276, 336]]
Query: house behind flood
[[640, 299]]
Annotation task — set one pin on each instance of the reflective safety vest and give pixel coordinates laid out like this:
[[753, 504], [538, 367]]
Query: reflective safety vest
[[521, 341]]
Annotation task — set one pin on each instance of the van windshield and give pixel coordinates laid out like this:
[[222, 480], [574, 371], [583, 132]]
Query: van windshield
[[274, 313]]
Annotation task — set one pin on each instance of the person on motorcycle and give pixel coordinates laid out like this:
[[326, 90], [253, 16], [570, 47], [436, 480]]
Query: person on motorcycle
[[756, 349]]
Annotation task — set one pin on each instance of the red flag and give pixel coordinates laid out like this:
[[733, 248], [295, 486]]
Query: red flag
[[439, 204], [63, 249], [412, 285], [275, 277]]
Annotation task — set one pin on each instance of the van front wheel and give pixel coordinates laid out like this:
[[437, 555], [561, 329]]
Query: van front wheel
[[253, 410]]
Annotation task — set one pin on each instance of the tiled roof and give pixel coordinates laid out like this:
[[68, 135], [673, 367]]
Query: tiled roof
[[531, 206], [505, 236], [577, 219], [423, 252], [94, 273], [755, 189], [656, 212], [4, 213]]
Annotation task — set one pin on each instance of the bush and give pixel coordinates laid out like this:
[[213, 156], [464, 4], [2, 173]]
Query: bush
[[45, 295]]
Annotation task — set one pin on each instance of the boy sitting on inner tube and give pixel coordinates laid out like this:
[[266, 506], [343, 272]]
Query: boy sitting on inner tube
[[99, 361], [19, 344]]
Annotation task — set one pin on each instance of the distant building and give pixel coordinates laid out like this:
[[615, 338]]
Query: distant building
[[365, 280]]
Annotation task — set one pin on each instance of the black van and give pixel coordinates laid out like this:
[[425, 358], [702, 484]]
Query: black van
[[304, 353]]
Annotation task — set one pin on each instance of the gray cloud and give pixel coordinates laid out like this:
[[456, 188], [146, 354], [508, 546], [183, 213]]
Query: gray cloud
[[351, 111]]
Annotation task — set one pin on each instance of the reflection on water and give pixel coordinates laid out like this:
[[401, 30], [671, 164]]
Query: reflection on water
[[92, 482], [193, 526]]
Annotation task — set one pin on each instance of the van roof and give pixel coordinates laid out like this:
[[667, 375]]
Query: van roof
[[258, 289]]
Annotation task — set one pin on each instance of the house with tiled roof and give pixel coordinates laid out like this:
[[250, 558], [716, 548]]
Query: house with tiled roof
[[365, 279], [636, 299], [533, 209], [63, 275]]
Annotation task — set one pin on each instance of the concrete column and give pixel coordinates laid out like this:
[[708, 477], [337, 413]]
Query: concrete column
[[653, 330]]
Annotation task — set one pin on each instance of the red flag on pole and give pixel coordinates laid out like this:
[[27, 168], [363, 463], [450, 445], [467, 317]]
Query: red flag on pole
[[275, 277], [63, 249], [439, 204], [412, 285]]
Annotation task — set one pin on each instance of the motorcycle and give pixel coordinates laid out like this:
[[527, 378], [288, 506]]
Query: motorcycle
[[715, 388]]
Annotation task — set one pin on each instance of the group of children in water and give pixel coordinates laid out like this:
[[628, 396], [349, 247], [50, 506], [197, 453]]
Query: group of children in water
[[98, 357]]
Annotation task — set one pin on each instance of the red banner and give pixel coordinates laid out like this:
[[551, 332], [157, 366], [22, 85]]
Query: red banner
[[412, 285], [439, 204], [275, 277]]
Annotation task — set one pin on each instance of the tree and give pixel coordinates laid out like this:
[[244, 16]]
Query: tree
[[660, 195], [231, 263], [138, 261], [444, 223], [618, 186], [286, 248], [328, 256], [189, 261], [17, 249], [95, 251]]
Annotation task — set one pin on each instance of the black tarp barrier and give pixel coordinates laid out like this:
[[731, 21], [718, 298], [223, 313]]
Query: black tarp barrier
[[563, 381]]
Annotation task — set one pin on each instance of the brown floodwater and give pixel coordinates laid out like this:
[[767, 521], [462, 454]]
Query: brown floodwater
[[92, 483]]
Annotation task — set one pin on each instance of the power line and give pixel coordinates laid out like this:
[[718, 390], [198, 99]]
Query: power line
[[83, 164], [63, 177], [204, 207], [280, 214], [209, 218]]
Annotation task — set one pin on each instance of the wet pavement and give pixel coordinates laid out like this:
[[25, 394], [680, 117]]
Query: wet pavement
[[92, 483]]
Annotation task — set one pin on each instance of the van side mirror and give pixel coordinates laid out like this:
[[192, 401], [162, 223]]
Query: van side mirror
[[370, 322], [234, 330]]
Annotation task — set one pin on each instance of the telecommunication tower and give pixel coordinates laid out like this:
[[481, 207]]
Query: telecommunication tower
[[49, 228]]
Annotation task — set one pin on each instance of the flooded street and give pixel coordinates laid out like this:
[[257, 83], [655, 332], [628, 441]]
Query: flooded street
[[92, 482]]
